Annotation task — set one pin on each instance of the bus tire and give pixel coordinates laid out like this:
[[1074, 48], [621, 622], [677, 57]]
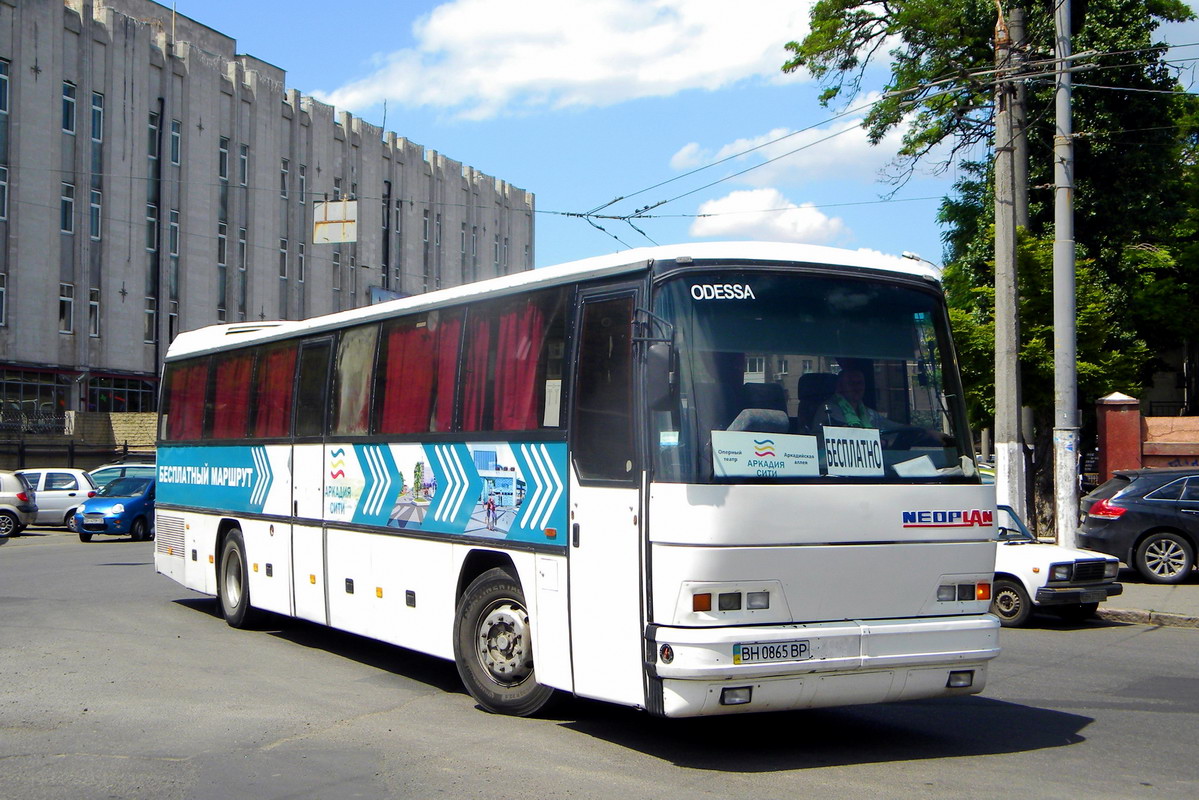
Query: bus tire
[[493, 646], [233, 582]]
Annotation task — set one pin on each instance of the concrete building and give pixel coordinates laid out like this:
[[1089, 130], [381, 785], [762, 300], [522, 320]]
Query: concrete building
[[153, 180]]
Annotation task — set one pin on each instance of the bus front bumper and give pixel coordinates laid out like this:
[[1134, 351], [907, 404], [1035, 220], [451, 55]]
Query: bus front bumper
[[703, 671]]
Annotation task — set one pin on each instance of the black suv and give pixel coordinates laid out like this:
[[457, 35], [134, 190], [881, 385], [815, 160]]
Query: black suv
[[1147, 518]]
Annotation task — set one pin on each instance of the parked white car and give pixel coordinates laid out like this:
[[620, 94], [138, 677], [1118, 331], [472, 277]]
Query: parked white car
[[1030, 574]]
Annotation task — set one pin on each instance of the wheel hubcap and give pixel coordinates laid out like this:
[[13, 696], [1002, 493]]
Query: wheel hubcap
[[1008, 603], [233, 578], [1164, 557], [503, 643]]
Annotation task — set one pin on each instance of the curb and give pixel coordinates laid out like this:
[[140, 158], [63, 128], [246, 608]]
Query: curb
[[1159, 618]]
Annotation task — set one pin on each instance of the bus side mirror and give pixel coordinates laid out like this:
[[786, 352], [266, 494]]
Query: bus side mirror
[[659, 376]]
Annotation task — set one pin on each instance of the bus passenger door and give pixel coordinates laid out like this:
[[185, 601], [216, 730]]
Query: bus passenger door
[[606, 618], [308, 481]]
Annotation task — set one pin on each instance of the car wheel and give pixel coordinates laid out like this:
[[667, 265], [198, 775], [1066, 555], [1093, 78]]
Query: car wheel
[[1165, 558], [1077, 612], [70, 521], [233, 582], [138, 530], [9, 525], [493, 646], [84, 536], [1010, 603]]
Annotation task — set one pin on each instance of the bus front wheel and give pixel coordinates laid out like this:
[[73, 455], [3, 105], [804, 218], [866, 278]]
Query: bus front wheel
[[493, 646], [233, 582]]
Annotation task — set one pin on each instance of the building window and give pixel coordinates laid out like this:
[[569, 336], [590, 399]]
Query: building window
[[3, 192], [66, 308], [93, 312], [437, 231], [68, 107], [173, 321], [243, 164], [67, 209], [222, 243], [150, 318], [462, 243], [176, 141], [284, 168], [242, 254], [300, 262], [173, 232], [337, 188], [303, 184], [336, 271], [223, 159], [151, 227], [3, 87], [495, 252], [97, 117], [3, 299], [425, 228], [152, 132], [96, 214], [282, 258]]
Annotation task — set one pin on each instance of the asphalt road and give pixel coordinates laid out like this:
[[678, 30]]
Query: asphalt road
[[119, 683]]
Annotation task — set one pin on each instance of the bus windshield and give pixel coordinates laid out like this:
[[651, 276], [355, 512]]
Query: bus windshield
[[785, 378]]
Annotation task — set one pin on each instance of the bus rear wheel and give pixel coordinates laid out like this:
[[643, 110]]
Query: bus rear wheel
[[233, 581], [493, 646]]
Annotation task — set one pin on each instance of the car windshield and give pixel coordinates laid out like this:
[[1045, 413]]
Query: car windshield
[[791, 378], [125, 487], [1011, 528]]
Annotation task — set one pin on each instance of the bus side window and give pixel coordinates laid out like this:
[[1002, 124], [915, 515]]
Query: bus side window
[[355, 364], [312, 388], [274, 376], [603, 403], [183, 415], [231, 395]]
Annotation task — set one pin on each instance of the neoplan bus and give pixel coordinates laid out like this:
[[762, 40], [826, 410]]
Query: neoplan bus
[[624, 478]]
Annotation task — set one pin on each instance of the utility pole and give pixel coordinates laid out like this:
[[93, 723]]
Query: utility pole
[[1065, 367], [1010, 483]]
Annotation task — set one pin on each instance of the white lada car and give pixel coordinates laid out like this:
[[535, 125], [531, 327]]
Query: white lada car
[[1030, 574]]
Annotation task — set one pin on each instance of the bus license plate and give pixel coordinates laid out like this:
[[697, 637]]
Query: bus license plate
[[767, 652]]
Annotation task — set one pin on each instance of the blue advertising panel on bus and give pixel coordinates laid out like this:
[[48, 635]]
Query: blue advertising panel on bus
[[512, 491]]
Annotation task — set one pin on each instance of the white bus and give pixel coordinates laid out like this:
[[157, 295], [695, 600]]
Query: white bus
[[695, 525]]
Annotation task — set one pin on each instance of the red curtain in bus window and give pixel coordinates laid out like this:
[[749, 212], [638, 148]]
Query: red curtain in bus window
[[517, 355], [273, 392], [408, 380], [231, 397], [474, 395], [448, 334], [186, 408]]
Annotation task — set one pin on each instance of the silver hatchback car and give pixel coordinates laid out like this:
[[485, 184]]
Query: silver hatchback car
[[18, 504]]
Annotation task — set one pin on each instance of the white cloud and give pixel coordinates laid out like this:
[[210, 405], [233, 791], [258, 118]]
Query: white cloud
[[480, 58], [839, 150], [765, 214]]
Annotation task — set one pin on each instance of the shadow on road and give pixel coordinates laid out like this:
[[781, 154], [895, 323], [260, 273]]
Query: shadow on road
[[429, 670], [768, 742], [952, 727]]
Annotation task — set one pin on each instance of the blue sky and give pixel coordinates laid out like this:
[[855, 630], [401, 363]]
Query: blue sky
[[585, 101]]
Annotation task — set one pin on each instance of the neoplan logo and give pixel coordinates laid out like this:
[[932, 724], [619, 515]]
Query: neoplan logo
[[722, 291], [949, 519]]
